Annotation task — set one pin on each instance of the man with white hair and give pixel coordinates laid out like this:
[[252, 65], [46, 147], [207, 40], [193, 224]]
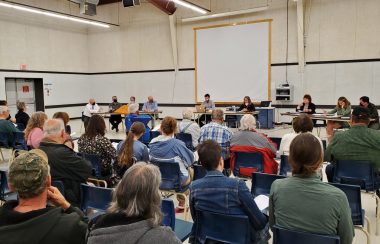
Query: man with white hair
[[150, 105], [190, 127], [89, 109], [5, 125], [65, 164]]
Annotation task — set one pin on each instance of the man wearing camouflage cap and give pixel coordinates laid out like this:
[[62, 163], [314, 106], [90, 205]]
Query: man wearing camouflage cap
[[30, 220]]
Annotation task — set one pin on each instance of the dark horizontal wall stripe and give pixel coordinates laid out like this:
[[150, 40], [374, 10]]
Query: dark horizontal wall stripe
[[132, 72], [42, 71]]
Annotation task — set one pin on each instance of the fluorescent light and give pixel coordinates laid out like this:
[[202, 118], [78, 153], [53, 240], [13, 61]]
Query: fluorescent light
[[190, 6], [52, 14]]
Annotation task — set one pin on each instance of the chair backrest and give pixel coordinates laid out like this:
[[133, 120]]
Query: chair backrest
[[59, 185], [248, 162], [355, 172], [222, 227], [20, 126], [95, 197], [261, 183], [19, 140], [186, 138], [154, 134], [170, 173], [3, 184], [4, 139], [354, 199], [96, 163], [199, 171], [168, 211], [284, 165], [285, 236], [277, 141]]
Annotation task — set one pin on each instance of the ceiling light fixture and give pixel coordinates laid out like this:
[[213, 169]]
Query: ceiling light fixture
[[53, 14], [190, 6]]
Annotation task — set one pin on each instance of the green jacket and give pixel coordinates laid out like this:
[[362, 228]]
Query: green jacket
[[8, 127], [373, 114], [308, 204], [341, 111], [357, 143]]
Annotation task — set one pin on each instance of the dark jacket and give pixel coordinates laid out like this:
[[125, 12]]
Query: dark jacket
[[22, 118], [67, 167], [311, 106], [250, 107], [373, 114], [116, 228], [43, 226]]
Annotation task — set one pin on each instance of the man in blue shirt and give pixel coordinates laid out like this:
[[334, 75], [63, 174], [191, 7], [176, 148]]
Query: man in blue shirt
[[220, 194], [150, 105]]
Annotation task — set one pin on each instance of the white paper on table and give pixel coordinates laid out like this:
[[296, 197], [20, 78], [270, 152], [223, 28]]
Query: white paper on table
[[262, 202]]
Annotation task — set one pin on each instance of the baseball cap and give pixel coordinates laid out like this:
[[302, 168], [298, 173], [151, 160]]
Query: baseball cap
[[361, 113]]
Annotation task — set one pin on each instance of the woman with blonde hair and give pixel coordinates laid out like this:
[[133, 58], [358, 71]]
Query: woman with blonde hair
[[34, 129], [342, 108], [135, 212]]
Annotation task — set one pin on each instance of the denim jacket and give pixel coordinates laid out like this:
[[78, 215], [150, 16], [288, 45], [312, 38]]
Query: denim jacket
[[218, 193]]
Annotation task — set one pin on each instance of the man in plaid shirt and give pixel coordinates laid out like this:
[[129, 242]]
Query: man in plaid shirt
[[217, 132]]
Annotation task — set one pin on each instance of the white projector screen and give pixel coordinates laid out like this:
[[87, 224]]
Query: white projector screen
[[233, 61]]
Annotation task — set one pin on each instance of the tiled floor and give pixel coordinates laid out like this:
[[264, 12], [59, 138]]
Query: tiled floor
[[368, 202]]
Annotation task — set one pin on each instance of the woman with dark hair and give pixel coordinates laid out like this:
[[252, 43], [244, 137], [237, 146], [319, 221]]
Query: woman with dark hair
[[342, 108], [131, 150], [247, 105], [66, 118], [303, 202], [22, 117], [135, 213], [306, 106], [93, 141]]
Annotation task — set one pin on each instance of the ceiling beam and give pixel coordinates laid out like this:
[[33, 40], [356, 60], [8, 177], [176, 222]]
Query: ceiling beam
[[167, 6], [103, 2]]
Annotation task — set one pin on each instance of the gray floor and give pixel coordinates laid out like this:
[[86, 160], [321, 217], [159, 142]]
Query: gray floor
[[368, 202]]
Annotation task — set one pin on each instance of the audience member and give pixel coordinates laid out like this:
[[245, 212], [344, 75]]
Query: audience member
[[65, 164], [357, 143], [65, 118], [150, 105], [306, 106], [301, 124], [373, 114], [305, 203], [6, 126], [166, 146], [208, 105], [4, 103], [190, 127], [218, 193], [131, 150], [93, 141], [89, 109], [30, 219], [34, 129], [248, 139], [217, 132], [135, 213], [22, 117], [343, 108], [133, 110], [115, 119], [247, 105]]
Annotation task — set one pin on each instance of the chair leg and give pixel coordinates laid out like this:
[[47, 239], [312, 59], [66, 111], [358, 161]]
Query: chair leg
[[368, 224], [1, 152], [365, 232], [377, 213]]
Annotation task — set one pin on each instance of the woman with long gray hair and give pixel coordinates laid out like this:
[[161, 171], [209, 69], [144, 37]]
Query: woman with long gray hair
[[135, 212]]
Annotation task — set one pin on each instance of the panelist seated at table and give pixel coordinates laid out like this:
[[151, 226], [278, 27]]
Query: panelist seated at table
[[150, 105], [343, 108], [90, 109], [373, 114], [247, 105], [306, 106], [115, 119], [132, 100], [208, 105]]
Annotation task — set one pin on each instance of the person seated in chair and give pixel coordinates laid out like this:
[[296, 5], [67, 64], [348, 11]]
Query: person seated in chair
[[220, 194], [247, 105], [373, 114], [34, 130], [357, 143], [190, 127], [6, 125], [248, 136], [115, 119], [303, 202], [30, 219], [166, 146]]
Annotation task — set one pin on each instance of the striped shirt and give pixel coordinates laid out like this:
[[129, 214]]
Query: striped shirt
[[219, 133]]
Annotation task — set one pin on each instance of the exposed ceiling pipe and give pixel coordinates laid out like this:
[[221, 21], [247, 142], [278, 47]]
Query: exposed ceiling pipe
[[165, 5], [226, 14]]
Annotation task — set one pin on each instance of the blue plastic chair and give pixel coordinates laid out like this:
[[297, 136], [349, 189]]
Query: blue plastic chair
[[187, 139], [222, 228], [231, 121], [94, 197], [277, 141], [181, 228], [248, 160], [261, 183], [199, 171], [285, 236], [357, 213], [5, 193], [95, 162], [59, 184], [154, 134], [284, 165], [4, 142], [19, 141]]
